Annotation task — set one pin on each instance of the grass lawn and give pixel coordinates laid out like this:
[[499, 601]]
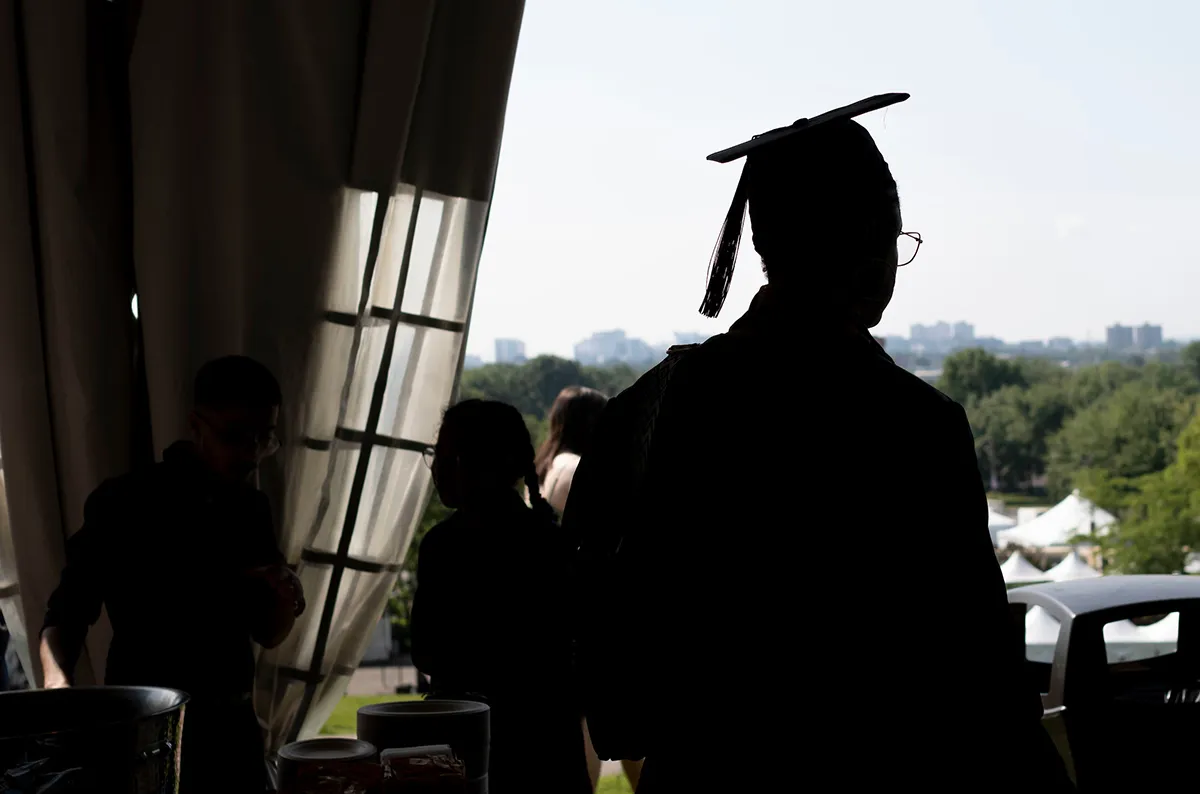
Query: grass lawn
[[344, 722], [614, 784]]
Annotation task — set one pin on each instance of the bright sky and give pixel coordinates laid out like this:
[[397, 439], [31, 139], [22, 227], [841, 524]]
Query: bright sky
[[1049, 155]]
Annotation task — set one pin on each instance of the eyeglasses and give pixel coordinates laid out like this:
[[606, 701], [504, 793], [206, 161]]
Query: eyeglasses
[[907, 245], [427, 455]]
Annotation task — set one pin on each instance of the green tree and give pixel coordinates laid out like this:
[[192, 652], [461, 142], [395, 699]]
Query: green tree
[[1092, 384], [1189, 358], [1012, 427], [611, 380], [974, 374], [532, 386], [1158, 513], [1127, 434]]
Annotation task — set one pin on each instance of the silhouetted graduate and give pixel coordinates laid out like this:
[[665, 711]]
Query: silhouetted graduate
[[748, 498]]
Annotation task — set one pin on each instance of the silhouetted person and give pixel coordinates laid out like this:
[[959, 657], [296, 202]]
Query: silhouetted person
[[183, 556], [776, 650], [572, 425], [494, 609]]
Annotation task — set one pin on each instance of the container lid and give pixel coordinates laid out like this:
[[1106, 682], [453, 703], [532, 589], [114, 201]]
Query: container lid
[[416, 752], [328, 750], [423, 708]]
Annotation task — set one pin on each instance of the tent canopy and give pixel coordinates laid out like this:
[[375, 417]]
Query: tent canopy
[[1055, 527], [999, 521], [1040, 627], [1072, 567], [1018, 569]]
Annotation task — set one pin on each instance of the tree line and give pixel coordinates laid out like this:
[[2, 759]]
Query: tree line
[[1126, 434], [532, 386]]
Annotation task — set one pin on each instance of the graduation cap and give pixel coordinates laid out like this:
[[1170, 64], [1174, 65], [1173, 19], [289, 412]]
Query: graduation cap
[[805, 132]]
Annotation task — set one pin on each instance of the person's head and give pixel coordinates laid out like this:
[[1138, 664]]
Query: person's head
[[572, 421], [825, 215], [235, 409], [483, 449]]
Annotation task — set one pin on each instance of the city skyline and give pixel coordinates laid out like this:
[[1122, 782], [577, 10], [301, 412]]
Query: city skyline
[[1134, 343], [1049, 207]]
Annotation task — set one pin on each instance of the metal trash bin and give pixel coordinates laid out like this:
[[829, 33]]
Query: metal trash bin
[[1123, 720], [116, 740]]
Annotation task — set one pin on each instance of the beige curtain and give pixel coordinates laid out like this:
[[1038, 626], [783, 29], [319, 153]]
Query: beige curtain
[[67, 407], [309, 185]]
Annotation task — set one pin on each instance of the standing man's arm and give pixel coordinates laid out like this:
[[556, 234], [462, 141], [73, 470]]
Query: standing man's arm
[[277, 595], [75, 604]]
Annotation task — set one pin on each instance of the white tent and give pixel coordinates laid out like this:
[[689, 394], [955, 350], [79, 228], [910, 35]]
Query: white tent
[[1017, 569], [998, 522], [1124, 640], [1055, 527], [1164, 631], [1121, 631], [1072, 567], [1041, 635]]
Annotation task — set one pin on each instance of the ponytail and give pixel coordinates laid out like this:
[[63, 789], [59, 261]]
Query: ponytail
[[537, 502]]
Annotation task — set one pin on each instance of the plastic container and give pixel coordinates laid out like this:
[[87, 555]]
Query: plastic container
[[463, 725], [329, 766]]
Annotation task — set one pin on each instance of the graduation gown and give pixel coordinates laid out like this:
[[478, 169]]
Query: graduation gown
[[737, 518]]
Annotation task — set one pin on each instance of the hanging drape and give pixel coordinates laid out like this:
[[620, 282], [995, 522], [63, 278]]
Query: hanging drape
[[309, 185], [67, 377]]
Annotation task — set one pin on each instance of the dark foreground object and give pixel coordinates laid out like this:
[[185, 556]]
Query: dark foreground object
[[1120, 726], [123, 740], [463, 725]]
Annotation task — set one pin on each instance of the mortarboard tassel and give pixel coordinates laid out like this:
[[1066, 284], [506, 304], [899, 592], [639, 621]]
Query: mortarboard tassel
[[724, 255]]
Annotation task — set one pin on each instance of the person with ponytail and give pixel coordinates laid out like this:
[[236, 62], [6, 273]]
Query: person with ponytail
[[494, 606]]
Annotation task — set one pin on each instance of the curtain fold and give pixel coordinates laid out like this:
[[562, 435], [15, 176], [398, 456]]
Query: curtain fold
[[67, 407], [272, 219], [303, 181]]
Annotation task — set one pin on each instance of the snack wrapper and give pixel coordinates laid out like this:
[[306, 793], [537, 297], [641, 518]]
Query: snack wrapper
[[423, 770]]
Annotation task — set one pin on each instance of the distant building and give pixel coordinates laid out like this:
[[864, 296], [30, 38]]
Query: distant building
[[1061, 343], [1148, 337], [472, 362], [989, 343], [510, 351], [932, 335], [614, 347], [943, 336], [1032, 346], [1119, 337]]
